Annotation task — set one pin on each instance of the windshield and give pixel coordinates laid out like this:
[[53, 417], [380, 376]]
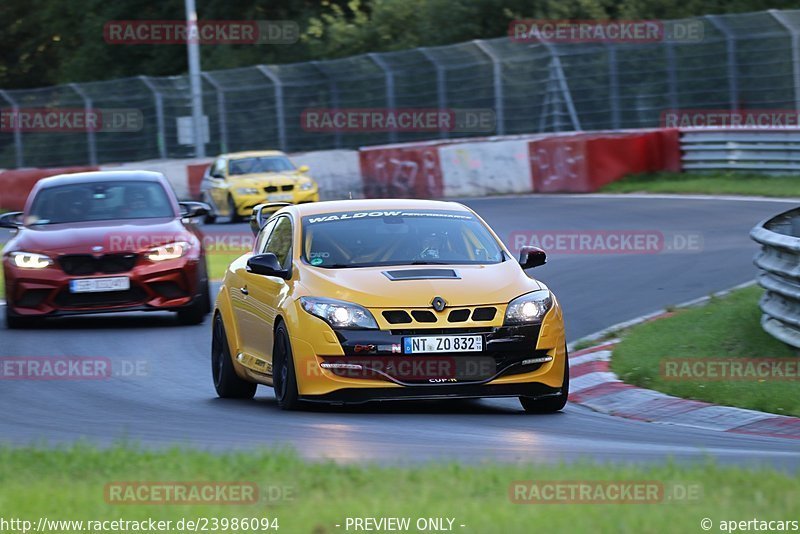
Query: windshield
[[100, 201], [372, 238], [260, 164]]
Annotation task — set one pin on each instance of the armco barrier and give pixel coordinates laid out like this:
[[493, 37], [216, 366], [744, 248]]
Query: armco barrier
[[17, 184], [779, 261], [582, 163]]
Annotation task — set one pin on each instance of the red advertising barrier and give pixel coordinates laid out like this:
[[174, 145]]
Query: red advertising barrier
[[583, 163], [194, 173], [401, 172], [17, 184]]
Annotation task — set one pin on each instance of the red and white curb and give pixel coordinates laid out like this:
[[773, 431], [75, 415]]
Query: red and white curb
[[594, 385]]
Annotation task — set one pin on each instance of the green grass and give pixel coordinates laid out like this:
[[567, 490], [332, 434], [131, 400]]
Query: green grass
[[727, 327], [218, 261], [711, 183], [69, 484]]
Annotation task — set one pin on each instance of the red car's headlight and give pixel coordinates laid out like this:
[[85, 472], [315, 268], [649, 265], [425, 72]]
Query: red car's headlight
[[170, 251], [30, 260]]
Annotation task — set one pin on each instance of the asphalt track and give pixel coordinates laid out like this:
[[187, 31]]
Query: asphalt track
[[173, 401]]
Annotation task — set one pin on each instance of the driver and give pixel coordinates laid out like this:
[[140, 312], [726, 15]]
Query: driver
[[135, 203]]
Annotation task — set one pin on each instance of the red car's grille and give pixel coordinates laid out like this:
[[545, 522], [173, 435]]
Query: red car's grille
[[65, 299], [80, 264]]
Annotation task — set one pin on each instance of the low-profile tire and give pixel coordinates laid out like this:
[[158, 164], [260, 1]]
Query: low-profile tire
[[284, 379], [15, 322], [550, 404], [196, 312], [226, 381], [211, 216], [232, 207]]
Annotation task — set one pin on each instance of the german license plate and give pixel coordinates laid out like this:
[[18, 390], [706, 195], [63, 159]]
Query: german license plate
[[280, 197], [437, 344], [99, 285]]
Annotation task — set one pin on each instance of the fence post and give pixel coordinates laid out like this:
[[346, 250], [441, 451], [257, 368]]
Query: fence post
[[87, 107], [795, 33], [613, 85], [20, 160], [441, 86], [280, 116], [221, 114], [390, 99], [733, 74], [161, 139], [561, 80], [672, 77], [497, 75], [334, 89]]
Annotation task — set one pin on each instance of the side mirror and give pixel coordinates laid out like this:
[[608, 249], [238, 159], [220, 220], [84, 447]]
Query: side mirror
[[267, 264], [530, 257], [194, 209], [12, 219], [302, 169]]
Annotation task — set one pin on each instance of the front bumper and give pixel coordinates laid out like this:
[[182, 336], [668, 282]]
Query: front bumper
[[169, 285], [516, 361], [246, 203]]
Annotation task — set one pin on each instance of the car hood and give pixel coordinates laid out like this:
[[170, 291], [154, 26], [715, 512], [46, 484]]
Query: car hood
[[370, 287], [264, 179], [114, 236]]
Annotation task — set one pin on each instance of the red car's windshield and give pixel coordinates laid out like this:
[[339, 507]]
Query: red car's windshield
[[99, 201]]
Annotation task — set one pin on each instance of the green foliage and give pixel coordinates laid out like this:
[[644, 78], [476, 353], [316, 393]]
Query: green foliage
[[48, 42]]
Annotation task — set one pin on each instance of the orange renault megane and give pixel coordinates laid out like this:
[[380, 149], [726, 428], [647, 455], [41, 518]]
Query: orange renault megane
[[354, 301]]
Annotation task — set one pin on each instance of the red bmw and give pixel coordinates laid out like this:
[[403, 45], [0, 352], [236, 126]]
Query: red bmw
[[104, 242]]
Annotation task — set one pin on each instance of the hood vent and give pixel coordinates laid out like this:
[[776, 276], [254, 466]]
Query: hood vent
[[422, 274]]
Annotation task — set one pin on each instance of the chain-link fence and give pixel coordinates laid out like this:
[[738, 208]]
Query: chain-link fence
[[749, 61]]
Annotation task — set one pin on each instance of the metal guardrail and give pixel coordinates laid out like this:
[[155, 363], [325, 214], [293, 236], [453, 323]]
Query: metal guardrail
[[775, 151], [779, 261]]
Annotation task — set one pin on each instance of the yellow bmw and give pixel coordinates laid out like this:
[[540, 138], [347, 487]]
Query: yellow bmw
[[234, 183], [366, 300]]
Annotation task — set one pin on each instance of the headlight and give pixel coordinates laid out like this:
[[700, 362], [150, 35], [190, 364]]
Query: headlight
[[339, 314], [170, 251], [247, 191], [530, 308], [306, 186], [30, 260]]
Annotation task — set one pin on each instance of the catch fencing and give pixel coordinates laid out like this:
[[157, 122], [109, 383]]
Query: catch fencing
[[740, 62]]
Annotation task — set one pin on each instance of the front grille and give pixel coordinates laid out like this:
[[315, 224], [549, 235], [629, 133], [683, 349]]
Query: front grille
[[439, 331], [397, 317], [84, 264], [65, 299], [289, 187], [460, 315]]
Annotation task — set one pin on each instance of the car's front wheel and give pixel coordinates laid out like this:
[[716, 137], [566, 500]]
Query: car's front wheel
[[211, 216], [15, 322], [284, 379], [226, 381], [550, 404], [235, 218]]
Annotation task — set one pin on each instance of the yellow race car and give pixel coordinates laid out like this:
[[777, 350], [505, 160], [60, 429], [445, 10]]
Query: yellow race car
[[234, 183], [364, 300]]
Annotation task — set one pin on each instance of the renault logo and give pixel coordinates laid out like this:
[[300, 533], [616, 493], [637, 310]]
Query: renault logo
[[438, 303]]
